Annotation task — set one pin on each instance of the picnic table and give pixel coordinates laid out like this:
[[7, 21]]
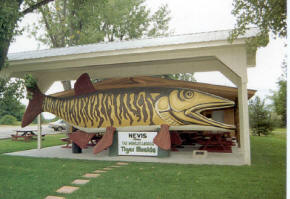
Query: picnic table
[[93, 140], [216, 143], [67, 140], [25, 134]]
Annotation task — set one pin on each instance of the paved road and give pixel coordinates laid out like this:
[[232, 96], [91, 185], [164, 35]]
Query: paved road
[[7, 131]]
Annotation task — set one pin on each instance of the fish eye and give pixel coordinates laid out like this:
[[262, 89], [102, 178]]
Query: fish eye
[[188, 94]]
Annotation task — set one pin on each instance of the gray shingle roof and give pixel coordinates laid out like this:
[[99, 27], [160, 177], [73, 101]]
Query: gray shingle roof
[[131, 44]]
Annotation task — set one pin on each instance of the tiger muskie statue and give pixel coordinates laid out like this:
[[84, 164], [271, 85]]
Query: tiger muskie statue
[[139, 106]]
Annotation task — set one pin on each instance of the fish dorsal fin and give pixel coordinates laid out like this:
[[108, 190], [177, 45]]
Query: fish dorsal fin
[[83, 85]]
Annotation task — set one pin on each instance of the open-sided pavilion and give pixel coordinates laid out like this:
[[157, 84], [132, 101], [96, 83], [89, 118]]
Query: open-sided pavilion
[[199, 52]]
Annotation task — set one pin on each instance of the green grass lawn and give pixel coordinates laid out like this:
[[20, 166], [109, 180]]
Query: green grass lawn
[[279, 133], [7, 145], [23, 177]]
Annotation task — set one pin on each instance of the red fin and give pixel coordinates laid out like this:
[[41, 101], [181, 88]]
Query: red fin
[[84, 85], [106, 141], [81, 138], [162, 139], [34, 107]]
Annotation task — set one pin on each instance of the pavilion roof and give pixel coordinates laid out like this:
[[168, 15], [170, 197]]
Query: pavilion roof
[[220, 35]]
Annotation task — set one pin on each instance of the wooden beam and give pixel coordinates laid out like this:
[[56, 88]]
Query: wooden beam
[[157, 127]]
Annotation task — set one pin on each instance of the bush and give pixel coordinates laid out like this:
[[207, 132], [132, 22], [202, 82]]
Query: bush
[[8, 119]]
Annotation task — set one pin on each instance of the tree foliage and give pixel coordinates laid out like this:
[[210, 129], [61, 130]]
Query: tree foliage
[[260, 117], [10, 14], [10, 94], [268, 15], [279, 97], [79, 22], [75, 22], [8, 120], [179, 76]]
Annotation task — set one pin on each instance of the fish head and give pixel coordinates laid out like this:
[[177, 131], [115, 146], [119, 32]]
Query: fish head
[[185, 106]]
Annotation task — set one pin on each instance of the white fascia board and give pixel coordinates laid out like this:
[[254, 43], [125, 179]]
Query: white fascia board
[[111, 57], [124, 52], [131, 44], [197, 38]]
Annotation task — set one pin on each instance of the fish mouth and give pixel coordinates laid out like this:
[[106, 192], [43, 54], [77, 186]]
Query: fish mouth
[[196, 113]]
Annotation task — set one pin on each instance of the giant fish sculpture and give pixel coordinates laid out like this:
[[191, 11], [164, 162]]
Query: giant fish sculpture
[[129, 107]]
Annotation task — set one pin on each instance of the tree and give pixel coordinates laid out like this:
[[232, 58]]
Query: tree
[[260, 117], [10, 94], [179, 76], [64, 21], [268, 15], [279, 97], [10, 14], [75, 22]]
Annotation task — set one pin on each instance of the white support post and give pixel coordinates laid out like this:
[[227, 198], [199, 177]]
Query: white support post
[[244, 121], [39, 129]]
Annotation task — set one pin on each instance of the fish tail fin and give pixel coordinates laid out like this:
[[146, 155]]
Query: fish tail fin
[[34, 107]]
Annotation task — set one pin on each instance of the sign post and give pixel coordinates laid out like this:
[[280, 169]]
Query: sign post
[[39, 129]]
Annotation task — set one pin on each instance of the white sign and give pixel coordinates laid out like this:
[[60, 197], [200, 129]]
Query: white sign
[[137, 143]]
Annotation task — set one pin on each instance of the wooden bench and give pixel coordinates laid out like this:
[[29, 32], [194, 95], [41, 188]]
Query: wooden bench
[[215, 143], [25, 137], [67, 140]]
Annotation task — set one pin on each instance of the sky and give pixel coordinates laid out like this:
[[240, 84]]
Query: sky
[[190, 16]]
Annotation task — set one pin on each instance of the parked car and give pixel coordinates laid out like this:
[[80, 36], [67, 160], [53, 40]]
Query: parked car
[[59, 125]]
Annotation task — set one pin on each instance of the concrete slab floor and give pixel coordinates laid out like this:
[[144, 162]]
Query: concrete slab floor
[[183, 156]]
